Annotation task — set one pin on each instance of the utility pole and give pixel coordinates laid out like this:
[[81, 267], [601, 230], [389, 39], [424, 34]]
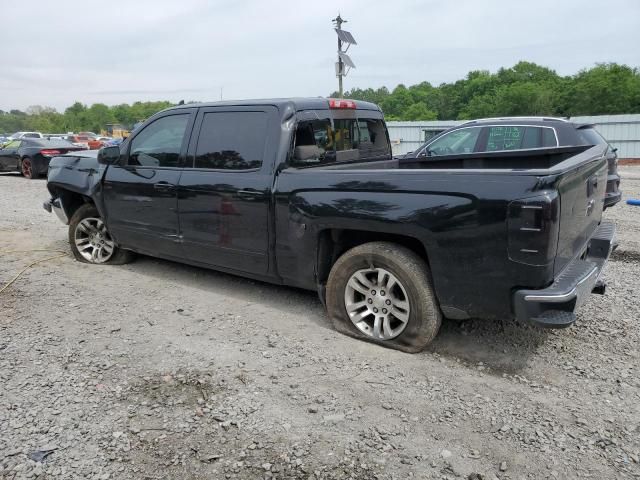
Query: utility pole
[[344, 37], [338, 21]]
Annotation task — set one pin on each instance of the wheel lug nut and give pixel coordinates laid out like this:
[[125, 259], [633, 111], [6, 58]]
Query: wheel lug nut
[[388, 302], [373, 292], [369, 301], [384, 310], [382, 292], [375, 310]]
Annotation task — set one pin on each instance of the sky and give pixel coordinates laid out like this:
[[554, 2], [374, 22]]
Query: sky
[[57, 52]]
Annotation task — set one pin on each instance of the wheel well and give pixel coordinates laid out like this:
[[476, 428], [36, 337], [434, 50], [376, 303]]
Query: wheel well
[[71, 201], [332, 243]]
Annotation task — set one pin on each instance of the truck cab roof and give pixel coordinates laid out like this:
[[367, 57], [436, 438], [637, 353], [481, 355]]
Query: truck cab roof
[[298, 104]]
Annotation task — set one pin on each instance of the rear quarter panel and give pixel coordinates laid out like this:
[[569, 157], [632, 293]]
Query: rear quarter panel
[[458, 217]]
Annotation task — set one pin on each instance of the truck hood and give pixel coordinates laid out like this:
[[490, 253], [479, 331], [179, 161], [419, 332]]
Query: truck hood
[[81, 158]]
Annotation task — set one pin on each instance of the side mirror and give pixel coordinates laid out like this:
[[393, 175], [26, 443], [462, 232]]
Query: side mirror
[[108, 155]]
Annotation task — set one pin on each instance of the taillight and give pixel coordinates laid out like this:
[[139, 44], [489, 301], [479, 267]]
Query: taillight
[[533, 225], [49, 153], [339, 103]]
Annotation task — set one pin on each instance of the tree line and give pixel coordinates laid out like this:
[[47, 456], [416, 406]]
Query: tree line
[[78, 117], [524, 89]]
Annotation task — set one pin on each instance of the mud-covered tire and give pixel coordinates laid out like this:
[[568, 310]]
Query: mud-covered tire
[[410, 271], [89, 213]]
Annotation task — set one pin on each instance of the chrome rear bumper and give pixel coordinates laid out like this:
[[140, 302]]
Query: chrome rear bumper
[[555, 306]]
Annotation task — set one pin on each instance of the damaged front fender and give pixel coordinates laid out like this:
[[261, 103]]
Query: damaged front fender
[[73, 180]]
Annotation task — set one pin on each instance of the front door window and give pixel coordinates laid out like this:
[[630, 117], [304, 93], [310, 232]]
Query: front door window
[[159, 144], [455, 142]]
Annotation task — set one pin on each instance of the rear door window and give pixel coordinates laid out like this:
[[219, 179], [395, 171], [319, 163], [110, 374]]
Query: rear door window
[[231, 140], [511, 137], [504, 138], [549, 137]]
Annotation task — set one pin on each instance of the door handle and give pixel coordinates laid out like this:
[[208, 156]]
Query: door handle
[[249, 194], [163, 186]]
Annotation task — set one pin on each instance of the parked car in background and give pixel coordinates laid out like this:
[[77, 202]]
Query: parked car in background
[[516, 134], [56, 136], [304, 192], [110, 142], [85, 141], [17, 135], [31, 156], [590, 136]]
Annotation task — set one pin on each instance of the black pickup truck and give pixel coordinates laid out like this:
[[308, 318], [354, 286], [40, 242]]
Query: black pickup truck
[[305, 192]]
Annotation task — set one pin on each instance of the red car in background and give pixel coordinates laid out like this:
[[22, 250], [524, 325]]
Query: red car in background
[[90, 143]]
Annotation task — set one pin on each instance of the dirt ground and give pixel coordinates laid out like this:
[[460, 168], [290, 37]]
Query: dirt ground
[[156, 370]]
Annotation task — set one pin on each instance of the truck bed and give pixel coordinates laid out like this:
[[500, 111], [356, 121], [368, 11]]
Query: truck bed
[[533, 159]]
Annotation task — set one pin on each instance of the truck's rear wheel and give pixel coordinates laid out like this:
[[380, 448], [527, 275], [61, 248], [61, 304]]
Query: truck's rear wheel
[[381, 292], [91, 242]]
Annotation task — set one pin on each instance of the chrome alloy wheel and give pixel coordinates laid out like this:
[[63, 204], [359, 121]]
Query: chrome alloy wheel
[[377, 303], [93, 241]]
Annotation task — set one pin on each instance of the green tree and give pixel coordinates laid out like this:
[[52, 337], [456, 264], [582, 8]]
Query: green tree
[[605, 89], [419, 111]]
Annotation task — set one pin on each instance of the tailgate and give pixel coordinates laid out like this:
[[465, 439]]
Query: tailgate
[[581, 192]]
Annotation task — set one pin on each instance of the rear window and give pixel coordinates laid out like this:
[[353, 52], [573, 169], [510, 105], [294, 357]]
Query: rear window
[[31, 135], [590, 136], [343, 140]]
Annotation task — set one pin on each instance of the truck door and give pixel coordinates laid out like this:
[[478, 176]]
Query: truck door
[[140, 193], [9, 156], [224, 192]]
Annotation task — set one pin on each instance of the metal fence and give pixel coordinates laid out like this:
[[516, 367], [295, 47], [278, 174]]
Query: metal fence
[[621, 131]]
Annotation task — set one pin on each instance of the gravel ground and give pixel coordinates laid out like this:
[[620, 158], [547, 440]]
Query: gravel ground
[[158, 370]]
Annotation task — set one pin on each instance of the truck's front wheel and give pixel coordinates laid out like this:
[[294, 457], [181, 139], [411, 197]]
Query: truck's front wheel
[[91, 242], [381, 292]]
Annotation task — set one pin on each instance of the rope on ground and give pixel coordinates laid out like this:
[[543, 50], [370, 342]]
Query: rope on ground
[[30, 265], [29, 251]]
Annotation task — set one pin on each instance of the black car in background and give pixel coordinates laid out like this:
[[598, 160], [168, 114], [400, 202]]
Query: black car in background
[[30, 156], [516, 134]]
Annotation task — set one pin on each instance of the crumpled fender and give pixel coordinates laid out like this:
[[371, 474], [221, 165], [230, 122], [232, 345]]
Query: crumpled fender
[[80, 173]]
